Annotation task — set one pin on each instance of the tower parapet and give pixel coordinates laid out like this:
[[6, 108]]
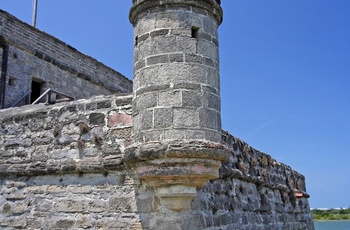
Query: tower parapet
[[176, 97]]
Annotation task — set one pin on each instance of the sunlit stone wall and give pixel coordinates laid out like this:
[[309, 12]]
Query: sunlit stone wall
[[61, 167], [37, 56]]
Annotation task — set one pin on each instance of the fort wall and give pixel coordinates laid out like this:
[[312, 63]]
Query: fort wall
[[34, 55], [157, 159], [61, 167]]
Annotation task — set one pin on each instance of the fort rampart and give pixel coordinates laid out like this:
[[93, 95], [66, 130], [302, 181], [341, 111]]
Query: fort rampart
[[154, 159], [61, 167]]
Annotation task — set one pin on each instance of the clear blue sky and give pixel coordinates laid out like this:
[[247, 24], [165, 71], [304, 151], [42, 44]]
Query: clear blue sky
[[285, 75]]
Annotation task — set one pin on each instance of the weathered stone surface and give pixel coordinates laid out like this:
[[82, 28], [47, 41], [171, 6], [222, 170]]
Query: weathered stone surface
[[67, 147], [62, 166], [175, 56], [119, 119], [32, 51], [253, 190], [177, 130], [96, 118]]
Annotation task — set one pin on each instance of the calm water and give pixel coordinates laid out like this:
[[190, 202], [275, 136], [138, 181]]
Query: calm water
[[332, 225]]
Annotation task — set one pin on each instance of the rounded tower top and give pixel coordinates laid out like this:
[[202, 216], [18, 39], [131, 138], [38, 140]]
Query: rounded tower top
[[209, 7], [176, 70]]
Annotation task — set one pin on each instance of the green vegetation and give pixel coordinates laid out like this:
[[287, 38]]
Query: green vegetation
[[331, 214]]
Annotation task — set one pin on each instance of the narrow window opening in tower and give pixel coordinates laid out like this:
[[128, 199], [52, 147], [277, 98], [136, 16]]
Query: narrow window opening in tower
[[194, 32], [136, 40]]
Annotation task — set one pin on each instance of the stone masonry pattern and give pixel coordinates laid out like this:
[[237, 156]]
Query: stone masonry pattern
[[152, 160], [36, 55], [176, 73], [62, 168]]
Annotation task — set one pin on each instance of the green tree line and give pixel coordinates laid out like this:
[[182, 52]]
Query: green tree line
[[331, 214]]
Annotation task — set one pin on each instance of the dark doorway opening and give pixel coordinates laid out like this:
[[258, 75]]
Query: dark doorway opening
[[36, 91]]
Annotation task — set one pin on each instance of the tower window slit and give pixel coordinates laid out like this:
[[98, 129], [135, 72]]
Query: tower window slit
[[136, 40], [194, 32]]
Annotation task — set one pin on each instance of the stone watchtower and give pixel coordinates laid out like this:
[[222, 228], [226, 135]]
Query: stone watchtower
[[176, 97], [72, 166]]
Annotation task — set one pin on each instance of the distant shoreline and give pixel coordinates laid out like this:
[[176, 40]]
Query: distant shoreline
[[331, 214], [330, 220]]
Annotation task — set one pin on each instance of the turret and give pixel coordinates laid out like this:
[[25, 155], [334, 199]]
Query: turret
[[176, 97]]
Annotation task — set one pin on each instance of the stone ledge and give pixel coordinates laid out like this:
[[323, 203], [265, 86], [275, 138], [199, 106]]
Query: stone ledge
[[65, 166], [175, 169], [176, 180], [212, 7], [176, 149]]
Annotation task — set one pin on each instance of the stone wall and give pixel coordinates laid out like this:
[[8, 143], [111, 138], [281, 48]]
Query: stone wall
[[61, 167], [37, 56], [254, 191]]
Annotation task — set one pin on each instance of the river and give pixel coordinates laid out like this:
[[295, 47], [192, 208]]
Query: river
[[332, 225]]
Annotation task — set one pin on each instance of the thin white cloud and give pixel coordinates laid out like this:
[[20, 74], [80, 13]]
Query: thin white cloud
[[260, 128]]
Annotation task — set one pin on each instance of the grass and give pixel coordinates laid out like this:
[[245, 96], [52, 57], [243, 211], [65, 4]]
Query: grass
[[331, 214]]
